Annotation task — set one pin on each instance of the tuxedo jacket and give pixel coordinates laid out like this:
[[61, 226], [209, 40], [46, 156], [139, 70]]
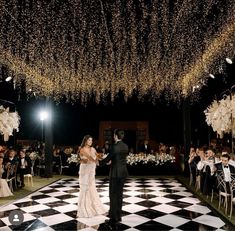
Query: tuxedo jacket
[[219, 168], [145, 149], [29, 164], [117, 155]]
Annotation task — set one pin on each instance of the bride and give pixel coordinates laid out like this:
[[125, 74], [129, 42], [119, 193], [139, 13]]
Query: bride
[[89, 203]]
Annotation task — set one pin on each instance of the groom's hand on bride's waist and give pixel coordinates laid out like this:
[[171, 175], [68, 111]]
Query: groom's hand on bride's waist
[[83, 161]]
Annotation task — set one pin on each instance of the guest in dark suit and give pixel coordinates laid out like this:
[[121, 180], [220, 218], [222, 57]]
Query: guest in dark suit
[[145, 148], [226, 170], [24, 166], [118, 174]]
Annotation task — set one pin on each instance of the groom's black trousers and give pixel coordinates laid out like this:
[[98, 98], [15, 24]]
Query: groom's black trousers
[[116, 195]]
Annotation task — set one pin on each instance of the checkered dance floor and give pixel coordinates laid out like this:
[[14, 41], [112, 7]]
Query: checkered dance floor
[[149, 204]]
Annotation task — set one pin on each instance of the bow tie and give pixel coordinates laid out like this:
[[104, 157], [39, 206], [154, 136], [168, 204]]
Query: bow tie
[[225, 166]]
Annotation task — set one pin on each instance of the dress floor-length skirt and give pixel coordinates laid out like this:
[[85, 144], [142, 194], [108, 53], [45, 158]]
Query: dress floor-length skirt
[[89, 203], [4, 189]]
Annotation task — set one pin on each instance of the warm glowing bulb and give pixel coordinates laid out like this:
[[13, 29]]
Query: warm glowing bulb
[[229, 61], [212, 76], [8, 79]]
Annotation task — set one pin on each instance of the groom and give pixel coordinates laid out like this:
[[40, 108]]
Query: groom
[[117, 175]]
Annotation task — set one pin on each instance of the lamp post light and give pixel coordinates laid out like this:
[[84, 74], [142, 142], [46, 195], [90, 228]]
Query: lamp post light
[[43, 115]]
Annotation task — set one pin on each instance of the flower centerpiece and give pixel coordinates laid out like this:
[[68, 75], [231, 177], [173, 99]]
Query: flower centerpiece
[[34, 155], [74, 158], [134, 159]]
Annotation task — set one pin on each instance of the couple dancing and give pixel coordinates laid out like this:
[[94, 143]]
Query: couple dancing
[[89, 203]]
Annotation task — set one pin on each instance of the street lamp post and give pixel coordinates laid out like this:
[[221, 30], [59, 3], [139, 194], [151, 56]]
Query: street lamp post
[[43, 115], [47, 136]]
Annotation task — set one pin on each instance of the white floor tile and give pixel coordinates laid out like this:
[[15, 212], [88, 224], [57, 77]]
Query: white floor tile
[[171, 220], [198, 209], [55, 219], [166, 208], [184, 193], [66, 208], [56, 194], [133, 199], [162, 200], [47, 200], [191, 200], [8, 207], [72, 200], [33, 208], [133, 220], [132, 208], [92, 221], [210, 220]]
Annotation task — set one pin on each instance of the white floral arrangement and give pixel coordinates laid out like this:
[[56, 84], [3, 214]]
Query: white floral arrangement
[[157, 159], [8, 122], [220, 115], [34, 155], [73, 159], [133, 159]]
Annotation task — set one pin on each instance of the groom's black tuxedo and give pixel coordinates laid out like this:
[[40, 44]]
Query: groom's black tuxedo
[[118, 174], [118, 156]]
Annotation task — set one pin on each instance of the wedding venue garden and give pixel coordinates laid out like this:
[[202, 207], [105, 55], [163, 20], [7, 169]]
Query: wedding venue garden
[[159, 72]]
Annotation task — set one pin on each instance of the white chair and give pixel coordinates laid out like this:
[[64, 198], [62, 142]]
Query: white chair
[[232, 201], [223, 191], [29, 178], [198, 183]]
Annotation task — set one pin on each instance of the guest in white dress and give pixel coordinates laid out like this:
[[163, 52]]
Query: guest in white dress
[[4, 188], [89, 203]]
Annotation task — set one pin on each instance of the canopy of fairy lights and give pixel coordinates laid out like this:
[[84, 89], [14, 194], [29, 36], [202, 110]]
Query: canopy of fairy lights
[[80, 49]]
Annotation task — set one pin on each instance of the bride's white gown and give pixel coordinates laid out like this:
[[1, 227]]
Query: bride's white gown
[[89, 203]]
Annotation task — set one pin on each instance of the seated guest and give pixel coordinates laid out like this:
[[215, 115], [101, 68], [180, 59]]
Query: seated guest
[[63, 157], [4, 188], [11, 157], [207, 170], [3, 151], [194, 158], [145, 148], [226, 170], [24, 166]]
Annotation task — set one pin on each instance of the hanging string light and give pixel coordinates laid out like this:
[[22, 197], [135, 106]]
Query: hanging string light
[[97, 49]]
